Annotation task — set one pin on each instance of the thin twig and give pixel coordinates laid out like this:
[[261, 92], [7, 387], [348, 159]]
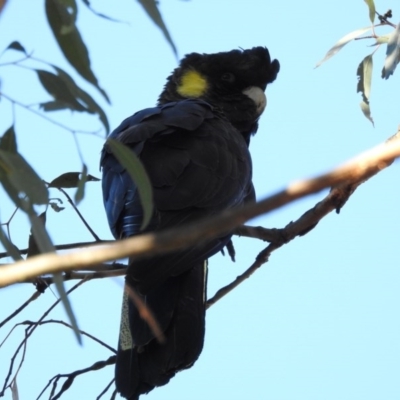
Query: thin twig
[[333, 201], [105, 390], [71, 376], [44, 116], [96, 238], [30, 333], [56, 321], [34, 296]]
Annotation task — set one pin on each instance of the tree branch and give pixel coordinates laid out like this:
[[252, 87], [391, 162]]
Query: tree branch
[[357, 170]]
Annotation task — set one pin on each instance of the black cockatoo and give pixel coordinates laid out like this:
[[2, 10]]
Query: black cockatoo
[[194, 147]]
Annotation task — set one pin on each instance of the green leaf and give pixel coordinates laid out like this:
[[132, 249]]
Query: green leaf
[[67, 180], [80, 193], [16, 46], [87, 3], [57, 88], [392, 53], [55, 105], [134, 167], [11, 249], [44, 245], [70, 180], [83, 97], [22, 177], [61, 15], [68, 94], [371, 7], [366, 110], [33, 247], [364, 74], [8, 141], [58, 281], [342, 42], [382, 39], [38, 230], [151, 8]]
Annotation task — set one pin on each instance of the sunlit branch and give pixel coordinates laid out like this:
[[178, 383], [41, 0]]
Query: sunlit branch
[[357, 170]]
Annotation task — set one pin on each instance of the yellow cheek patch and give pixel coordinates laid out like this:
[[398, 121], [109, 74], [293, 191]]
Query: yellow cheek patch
[[192, 84]]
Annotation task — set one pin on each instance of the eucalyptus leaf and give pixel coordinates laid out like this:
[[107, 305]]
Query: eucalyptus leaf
[[40, 234], [87, 3], [70, 180], [10, 247], [84, 97], [58, 281], [392, 53], [151, 8], [33, 247], [342, 42], [8, 141], [16, 46], [364, 74], [134, 167], [61, 16], [371, 8], [80, 192], [22, 177], [55, 105], [57, 88], [366, 111]]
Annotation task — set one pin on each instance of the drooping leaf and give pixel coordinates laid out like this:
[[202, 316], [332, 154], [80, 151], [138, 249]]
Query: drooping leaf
[[80, 192], [68, 95], [45, 245], [84, 97], [8, 141], [58, 281], [371, 8], [33, 248], [101, 15], [61, 15], [366, 110], [42, 238], [364, 75], [70, 180], [67, 180], [16, 46], [130, 161], [392, 53], [14, 387], [381, 40], [11, 249], [151, 8], [22, 177], [342, 42], [57, 88], [10, 188], [54, 105]]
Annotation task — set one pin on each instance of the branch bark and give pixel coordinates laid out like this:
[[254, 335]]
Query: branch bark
[[349, 175]]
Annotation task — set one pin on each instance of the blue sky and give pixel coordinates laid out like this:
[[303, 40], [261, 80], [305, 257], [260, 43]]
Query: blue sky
[[321, 319]]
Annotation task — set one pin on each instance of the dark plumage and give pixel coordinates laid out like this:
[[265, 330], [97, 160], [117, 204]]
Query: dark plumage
[[194, 147]]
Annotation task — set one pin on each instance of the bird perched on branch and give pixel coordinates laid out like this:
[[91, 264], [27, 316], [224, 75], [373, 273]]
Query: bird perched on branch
[[194, 148]]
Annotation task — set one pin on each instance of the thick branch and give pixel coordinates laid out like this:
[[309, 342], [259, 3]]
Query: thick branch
[[356, 170]]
